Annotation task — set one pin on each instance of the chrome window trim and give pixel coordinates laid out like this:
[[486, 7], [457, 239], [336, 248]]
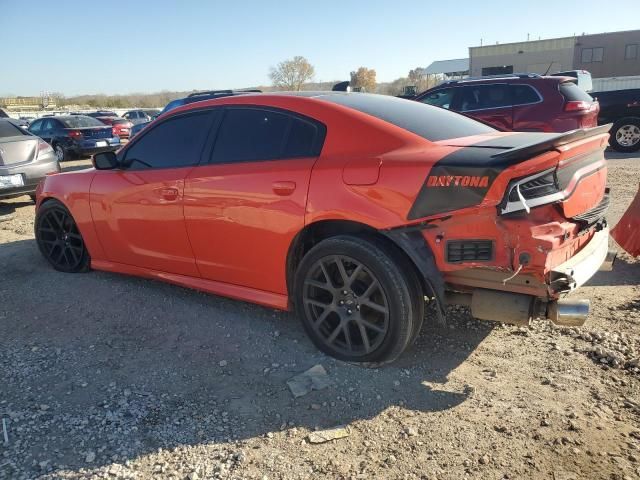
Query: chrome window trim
[[540, 98]]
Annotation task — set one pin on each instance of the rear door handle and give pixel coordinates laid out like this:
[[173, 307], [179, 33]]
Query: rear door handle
[[283, 188], [169, 193]]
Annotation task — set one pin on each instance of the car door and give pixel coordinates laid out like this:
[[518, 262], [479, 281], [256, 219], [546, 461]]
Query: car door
[[138, 208], [36, 127], [530, 114], [490, 103], [244, 207], [47, 130]]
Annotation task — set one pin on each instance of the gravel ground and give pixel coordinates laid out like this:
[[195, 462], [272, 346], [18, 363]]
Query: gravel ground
[[108, 376]]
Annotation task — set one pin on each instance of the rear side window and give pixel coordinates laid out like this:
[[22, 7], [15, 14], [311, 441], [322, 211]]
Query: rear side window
[[174, 143], [524, 94], [252, 134], [572, 92], [482, 97], [429, 122], [8, 129]]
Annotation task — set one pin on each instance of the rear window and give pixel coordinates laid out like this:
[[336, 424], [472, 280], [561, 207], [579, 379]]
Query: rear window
[[119, 121], [81, 122], [429, 122], [8, 129], [573, 93]]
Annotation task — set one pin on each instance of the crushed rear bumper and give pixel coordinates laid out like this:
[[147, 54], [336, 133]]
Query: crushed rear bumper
[[576, 271]]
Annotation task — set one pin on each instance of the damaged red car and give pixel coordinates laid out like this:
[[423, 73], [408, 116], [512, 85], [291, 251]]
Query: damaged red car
[[352, 209]]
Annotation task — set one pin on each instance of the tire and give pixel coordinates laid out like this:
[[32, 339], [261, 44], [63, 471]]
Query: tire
[[59, 239], [357, 300], [61, 153], [625, 135]]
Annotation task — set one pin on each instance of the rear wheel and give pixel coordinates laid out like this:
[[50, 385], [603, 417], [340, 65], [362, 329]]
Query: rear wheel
[[625, 135], [61, 152], [356, 301], [59, 239]]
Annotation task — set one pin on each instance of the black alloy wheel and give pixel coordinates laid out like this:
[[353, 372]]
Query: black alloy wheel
[[59, 239], [346, 305], [358, 302]]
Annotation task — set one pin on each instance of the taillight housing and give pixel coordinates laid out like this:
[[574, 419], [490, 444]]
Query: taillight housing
[[76, 134], [577, 106], [43, 147]]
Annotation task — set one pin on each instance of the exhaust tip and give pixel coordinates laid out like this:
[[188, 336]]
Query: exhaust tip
[[568, 313]]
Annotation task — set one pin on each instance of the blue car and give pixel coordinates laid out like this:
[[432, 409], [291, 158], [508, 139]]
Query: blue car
[[75, 135]]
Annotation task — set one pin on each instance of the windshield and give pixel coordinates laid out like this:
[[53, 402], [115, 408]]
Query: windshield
[[432, 123], [81, 121]]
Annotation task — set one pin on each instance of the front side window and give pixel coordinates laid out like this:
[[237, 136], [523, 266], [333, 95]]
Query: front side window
[[481, 97], [631, 52], [252, 134], [441, 98], [174, 143], [36, 126]]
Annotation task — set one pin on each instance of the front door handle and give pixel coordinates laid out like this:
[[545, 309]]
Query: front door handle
[[169, 193], [283, 188]]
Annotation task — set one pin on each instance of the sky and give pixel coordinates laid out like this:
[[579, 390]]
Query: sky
[[87, 47]]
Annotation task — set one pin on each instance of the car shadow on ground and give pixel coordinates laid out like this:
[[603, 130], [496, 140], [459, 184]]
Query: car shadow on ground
[[625, 272], [7, 209], [132, 365]]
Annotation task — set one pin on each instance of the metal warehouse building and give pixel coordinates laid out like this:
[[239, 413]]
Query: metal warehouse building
[[613, 54]]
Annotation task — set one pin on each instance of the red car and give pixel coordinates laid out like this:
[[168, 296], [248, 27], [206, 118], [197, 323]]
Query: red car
[[120, 126], [522, 103], [348, 207]]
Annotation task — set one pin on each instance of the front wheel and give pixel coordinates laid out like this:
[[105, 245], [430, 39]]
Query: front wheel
[[59, 239], [357, 301], [625, 135]]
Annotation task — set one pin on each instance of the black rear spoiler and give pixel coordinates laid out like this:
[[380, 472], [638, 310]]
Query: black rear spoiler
[[523, 152]]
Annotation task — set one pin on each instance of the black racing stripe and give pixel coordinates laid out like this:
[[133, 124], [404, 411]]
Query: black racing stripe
[[462, 178], [459, 180]]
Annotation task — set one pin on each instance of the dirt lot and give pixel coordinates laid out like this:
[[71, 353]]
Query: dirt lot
[[106, 376]]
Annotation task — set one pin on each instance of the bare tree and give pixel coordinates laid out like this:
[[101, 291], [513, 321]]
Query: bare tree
[[364, 78], [292, 74]]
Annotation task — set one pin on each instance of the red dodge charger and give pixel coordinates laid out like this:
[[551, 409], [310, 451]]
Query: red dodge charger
[[352, 209]]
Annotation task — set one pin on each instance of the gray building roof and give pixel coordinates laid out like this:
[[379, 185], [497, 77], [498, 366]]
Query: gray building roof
[[448, 66]]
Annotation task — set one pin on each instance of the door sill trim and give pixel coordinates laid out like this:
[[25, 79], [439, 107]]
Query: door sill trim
[[247, 294]]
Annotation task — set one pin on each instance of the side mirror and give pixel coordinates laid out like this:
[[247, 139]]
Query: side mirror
[[105, 161]]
